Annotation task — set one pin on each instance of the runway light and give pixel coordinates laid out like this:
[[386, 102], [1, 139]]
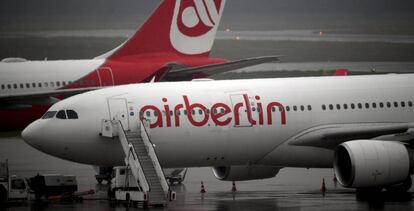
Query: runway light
[[227, 30], [237, 38]]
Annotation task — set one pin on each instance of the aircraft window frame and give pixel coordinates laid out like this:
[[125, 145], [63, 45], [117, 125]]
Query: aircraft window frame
[[49, 115], [60, 114], [71, 114]]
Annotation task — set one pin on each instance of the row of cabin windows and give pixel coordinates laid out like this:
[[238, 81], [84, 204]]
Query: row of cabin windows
[[353, 106], [35, 85], [62, 114]]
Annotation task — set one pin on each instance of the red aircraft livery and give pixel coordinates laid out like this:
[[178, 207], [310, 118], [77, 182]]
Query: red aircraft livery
[[220, 113]]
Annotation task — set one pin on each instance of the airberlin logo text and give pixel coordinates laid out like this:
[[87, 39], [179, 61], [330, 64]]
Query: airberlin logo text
[[197, 114]]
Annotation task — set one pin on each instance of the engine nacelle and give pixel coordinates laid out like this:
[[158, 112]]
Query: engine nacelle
[[370, 163], [240, 173]]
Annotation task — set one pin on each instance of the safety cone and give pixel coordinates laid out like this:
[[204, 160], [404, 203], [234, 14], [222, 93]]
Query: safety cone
[[335, 180], [323, 188], [233, 188], [203, 190]]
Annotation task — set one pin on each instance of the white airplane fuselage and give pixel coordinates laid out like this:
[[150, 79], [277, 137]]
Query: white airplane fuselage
[[255, 122]]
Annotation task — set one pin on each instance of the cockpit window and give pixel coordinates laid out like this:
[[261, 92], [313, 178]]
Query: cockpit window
[[49, 115], [71, 114], [61, 114]]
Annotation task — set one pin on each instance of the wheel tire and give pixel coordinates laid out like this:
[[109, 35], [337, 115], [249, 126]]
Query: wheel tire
[[402, 187], [3, 194]]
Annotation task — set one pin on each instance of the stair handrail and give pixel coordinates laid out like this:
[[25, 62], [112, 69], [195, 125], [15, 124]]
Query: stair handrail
[[153, 154], [131, 156]]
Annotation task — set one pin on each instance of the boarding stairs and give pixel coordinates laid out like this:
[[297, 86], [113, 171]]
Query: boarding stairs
[[141, 158]]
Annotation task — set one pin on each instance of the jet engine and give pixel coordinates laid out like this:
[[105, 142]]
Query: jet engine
[[371, 163], [247, 172]]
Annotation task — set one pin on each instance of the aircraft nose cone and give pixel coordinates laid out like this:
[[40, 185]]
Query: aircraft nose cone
[[31, 134]]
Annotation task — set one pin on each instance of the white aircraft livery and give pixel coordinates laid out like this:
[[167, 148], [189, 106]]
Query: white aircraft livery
[[248, 129]]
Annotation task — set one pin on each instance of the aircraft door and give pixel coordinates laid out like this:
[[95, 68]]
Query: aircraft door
[[105, 76], [241, 102], [118, 110]]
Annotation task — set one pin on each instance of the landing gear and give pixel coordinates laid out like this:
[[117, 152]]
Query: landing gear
[[402, 187]]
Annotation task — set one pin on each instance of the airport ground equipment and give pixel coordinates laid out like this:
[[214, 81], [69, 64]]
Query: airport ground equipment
[[11, 186], [175, 175], [104, 173], [149, 185], [53, 185]]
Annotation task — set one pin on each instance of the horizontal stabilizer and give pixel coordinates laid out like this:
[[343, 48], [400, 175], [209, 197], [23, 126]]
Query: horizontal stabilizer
[[208, 70]]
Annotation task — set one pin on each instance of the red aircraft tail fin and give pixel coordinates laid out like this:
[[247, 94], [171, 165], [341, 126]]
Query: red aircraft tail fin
[[181, 27]]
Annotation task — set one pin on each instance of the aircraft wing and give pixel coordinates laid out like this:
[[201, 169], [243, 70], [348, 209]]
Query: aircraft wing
[[39, 98], [330, 136], [204, 71]]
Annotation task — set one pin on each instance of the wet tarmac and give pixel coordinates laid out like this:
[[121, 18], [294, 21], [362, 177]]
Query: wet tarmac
[[291, 189]]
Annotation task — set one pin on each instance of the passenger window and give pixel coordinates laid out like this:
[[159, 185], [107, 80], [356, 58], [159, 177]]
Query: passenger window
[[287, 108], [345, 106], [178, 112], [148, 113], [374, 105], [27, 85], [71, 114], [21, 86], [360, 105], [34, 85], [402, 104], [63, 83], [280, 108], [200, 112], [366, 105], [302, 108], [8, 86], [388, 104], [49, 114], [15, 86], [331, 106], [309, 108], [381, 104], [52, 84], [155, 114], [352, 106], [57, 83], [46, 84], [61, 114], [193, 112], [324, 107], [2, 86], [39, 85], [410, 103], [396, 104], [338, 106], [185, 112], [295, 108]]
